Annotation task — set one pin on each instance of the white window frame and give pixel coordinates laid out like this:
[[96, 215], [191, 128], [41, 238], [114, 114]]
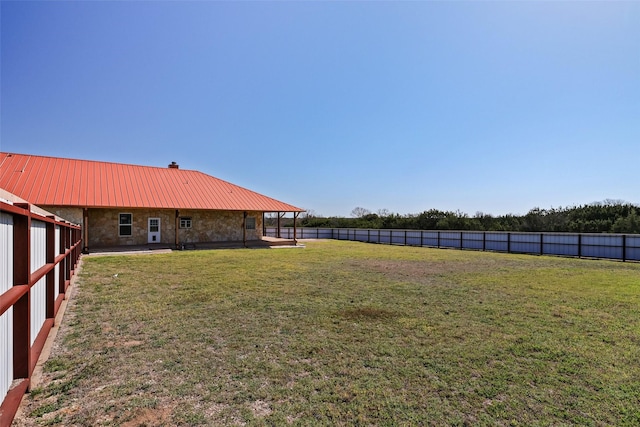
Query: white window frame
[[185, 222], [250, 223], [120, 224]]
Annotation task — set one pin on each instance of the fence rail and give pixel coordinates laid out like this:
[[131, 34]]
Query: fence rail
[[624, 247], [38, 257]]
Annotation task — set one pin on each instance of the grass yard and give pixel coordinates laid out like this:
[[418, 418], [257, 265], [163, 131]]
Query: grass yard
[[345, 333]]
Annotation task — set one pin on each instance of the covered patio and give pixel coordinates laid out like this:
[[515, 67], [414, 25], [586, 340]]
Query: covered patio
[[151, 248]]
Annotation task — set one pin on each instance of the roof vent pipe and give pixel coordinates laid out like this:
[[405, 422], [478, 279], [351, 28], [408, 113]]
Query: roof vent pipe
[[174, 165]]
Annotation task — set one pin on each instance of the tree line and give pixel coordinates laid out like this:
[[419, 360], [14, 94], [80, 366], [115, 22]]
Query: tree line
[[600, 217]]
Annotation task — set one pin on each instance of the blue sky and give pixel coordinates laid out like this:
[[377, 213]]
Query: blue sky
[[496, 107]]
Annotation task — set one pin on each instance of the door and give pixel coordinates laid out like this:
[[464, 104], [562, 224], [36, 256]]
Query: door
[[154, 230]]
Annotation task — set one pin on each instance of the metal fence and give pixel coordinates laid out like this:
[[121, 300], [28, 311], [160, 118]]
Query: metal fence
[[624, 247], [38, 257]]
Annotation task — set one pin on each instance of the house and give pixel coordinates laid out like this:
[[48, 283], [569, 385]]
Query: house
[[122, 204]]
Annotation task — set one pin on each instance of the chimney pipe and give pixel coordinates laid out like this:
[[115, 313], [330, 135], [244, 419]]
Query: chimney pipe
[[174, 165]]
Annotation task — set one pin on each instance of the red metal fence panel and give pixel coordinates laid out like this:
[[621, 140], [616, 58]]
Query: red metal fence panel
[[38, 256]]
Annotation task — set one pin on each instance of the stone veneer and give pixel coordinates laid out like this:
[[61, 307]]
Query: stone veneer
[[218, 226], [70, 214], [206, 225]]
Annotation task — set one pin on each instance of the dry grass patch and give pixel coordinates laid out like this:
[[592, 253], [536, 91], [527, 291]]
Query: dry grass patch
[[345, 333], [367, 313]]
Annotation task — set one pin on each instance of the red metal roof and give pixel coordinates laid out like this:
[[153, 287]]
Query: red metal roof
[[86, 183]]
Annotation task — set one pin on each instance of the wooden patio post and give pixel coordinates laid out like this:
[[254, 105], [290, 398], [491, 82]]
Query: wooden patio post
[[85, 230], [278, 227], [295, 220]]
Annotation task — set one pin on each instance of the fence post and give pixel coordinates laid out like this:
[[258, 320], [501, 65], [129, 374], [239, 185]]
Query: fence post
[[51, 276], [508, 242], [579, 245], [405, 237], [61, 271], [421, 238], [541, 243], [68, 260], [461, 243], [484, 241], [624, 247], [21, 276], [438, 239]]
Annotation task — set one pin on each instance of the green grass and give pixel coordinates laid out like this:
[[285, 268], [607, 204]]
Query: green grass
[[344, 333]]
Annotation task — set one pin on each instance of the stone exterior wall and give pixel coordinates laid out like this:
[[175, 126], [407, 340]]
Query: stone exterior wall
[[104, 226], [206, 226], [218, 226], [70, 214]]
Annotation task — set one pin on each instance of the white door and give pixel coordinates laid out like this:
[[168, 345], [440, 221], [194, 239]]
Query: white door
[[154, 230]]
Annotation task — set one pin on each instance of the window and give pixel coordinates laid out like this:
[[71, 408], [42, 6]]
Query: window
[[125, 224], [250, 223], [185, 222]]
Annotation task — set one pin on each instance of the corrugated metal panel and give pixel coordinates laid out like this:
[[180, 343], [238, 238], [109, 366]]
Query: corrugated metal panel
[[39, 290], [472, 240], [6, 255], [6, 319], [38, 244], [100, 184], [38, 298], [6, 352], [633, 248], [57, 267]]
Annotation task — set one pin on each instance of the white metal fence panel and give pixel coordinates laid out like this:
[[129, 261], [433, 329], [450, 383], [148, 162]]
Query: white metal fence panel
[[414, 238], [38, 245], [310, 233], [430, 238], [498, 242], [306, 234], [341, 234], [472, 240], [39, 290], [397, 237], [450, 239], [602, 246], [289, 234], [38, 307], [633, 248], [6, 353], [56, 270], [6, 319], [360, 235], [561, 244], [325, 233], [607, 246], [525, 243], [6, 255]]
